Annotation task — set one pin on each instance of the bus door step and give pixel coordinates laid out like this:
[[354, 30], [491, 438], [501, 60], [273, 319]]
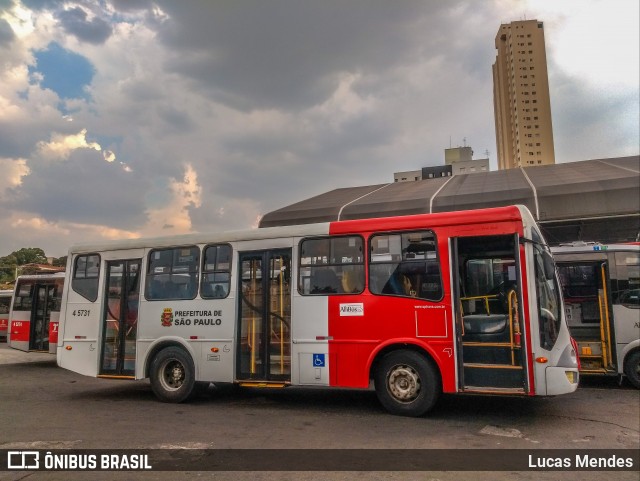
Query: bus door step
[[265, 384], [492, 390], [491, 366]]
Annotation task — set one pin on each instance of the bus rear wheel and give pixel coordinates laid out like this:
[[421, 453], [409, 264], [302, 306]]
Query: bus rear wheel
[[632, 368], [407, 384], [172, 375]]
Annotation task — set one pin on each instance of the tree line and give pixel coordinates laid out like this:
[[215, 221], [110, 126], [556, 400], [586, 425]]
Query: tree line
[[11, 265]]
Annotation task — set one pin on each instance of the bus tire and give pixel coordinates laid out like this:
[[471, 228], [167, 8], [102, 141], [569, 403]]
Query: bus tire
[[172, 375], [632, 368], [407, 383]]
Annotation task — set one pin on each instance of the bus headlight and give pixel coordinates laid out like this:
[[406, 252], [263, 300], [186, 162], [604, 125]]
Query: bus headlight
[[572, 376]]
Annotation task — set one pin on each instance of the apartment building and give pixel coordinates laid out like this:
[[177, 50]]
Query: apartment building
[[522, 107]]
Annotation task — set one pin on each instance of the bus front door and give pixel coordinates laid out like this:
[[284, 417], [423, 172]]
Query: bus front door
[[488, 300], [39, 336], [589, 312], [264, 334], [120, 318]]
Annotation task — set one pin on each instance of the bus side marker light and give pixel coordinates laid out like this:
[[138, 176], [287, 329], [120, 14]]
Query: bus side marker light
[[68, 348], [542, 360], [214, 349]]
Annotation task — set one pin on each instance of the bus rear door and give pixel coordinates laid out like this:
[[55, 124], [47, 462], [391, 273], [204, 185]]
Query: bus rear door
[[120, 318], [264, 332]]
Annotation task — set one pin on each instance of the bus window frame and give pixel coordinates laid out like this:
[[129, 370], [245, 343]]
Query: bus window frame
[[95, 277], [401, 233], [215, 270], [149, 276], [331, 265]]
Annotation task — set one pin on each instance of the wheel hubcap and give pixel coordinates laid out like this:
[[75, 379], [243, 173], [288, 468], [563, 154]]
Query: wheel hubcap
[[172, 375], [404, 383]]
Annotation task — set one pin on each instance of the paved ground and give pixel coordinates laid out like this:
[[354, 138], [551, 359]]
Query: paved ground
[[13, 356], [45, 407]]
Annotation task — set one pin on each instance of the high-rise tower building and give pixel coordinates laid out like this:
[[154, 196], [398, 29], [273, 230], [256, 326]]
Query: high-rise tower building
[[524, 134]]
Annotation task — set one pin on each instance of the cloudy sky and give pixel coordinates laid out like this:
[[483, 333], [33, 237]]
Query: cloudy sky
[[128, 118]]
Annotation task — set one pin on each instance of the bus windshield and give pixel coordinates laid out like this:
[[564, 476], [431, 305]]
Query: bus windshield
[[548, 292]]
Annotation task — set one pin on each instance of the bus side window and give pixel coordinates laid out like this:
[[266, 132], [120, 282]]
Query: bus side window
[[331, 265], [628, 283], [86, 276], [405, 264], [216, 271], [172, 273], [24, 296]]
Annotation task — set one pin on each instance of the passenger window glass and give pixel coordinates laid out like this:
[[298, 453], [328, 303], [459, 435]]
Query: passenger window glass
[[216, 272], [86, 276], [405, 265], [581, 285], [5, 304], [172, 273], [628, 285], [331, 265], [24, 296]]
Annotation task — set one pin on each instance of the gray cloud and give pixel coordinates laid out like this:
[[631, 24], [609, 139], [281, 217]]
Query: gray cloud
[[582, 112], [6, 33], [82, 189], [273, 102], [281, 54], [74, 21], [131, 5]]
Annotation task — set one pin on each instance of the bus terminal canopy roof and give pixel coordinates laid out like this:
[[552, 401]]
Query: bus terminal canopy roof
[[595, 200]]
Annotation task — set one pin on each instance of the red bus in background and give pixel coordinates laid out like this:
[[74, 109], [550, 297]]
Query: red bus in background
[[5, 307], [35, 312]]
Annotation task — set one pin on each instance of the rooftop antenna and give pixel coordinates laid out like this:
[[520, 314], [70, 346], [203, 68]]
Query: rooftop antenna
[[464, 141], [449, 141]]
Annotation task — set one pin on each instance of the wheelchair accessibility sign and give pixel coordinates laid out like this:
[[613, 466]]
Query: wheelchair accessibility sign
[[318, 360]]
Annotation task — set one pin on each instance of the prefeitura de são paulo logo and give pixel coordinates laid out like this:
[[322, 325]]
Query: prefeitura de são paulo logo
[[167, 317]]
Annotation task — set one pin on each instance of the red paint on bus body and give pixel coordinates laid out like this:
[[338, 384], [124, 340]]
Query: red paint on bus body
[[392, 321], [20, 330], [53, 333]]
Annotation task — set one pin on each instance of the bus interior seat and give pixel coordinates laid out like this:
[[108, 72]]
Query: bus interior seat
[[485, 324], [324, 281], [352, 282], [397, 284]]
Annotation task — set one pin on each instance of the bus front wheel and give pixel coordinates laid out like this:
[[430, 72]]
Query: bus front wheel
[[172, 375], [632, 368], [407, 384]]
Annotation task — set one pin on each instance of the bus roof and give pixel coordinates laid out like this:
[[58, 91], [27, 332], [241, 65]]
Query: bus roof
[[54, 275], [509, 213], [588, 247]]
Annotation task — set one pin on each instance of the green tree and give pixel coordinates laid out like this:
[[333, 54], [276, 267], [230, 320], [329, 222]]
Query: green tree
[[26, 255], [8, 266], [29, 255], [60, 261]]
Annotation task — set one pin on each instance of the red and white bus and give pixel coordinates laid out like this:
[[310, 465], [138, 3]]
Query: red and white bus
[[601, 290], [35, 312], [462, 302], [5, 307]]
